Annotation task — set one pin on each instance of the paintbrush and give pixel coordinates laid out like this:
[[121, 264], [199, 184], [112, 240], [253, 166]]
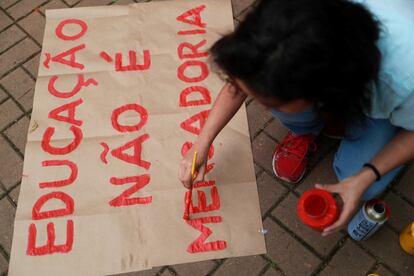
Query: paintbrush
[[190, 194]]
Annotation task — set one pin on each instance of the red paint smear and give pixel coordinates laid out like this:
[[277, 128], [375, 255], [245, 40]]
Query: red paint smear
[[123, 199], [106, 56], [193, 17], [198, 245], [205, 183], [47, 136], [200, 117], [202, 91], [80, 82], [195, 53], [203, 74], [61, 58], [71, 109], [143, 115], [191, 32], [136, 157], [133, 65], [49, 247], [48, 57], [187, 201], [104, 152], [59, 29], [60, 183], [65, 198]]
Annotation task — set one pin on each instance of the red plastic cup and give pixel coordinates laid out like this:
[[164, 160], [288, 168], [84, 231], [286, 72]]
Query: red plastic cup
[[317, 209]]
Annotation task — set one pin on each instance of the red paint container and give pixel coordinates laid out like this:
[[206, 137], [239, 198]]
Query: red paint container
[[317, 209]]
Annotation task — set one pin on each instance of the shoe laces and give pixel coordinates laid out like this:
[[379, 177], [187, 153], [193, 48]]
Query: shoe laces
[[297, 145]]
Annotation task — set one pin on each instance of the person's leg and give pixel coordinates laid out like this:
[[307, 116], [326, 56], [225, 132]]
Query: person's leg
[[302, 123], [359, 146], [289, 159]]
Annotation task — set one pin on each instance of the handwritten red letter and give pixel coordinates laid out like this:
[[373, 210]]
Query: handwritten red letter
[[198, 245], [68, 210], [123, 199], [204, 93], [71, 109], [49, 247], [143, 117], [59, 29], [81, 82], [136, 157], [203, 73], [193, 17], [60, 183], [195, 53], [200, 117], [47, 136]]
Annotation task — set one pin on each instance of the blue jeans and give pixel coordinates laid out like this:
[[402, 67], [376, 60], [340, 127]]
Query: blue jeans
[[359, 146]]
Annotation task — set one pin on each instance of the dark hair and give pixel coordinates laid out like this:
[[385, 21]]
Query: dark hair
[[323, 51]]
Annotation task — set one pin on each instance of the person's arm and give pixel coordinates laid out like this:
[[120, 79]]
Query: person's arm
[[224, 108], [396, 153]]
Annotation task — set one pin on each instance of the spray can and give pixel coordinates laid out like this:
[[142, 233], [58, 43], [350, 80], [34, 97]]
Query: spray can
[[369, 219], [407, 239]]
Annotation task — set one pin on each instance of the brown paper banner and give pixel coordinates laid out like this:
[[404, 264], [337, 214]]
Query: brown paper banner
[[121, 90]]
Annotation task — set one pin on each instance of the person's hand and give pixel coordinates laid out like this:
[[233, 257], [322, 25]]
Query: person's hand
[[350, 190], [184, 172]]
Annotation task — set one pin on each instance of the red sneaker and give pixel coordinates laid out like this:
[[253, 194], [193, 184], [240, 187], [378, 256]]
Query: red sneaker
[[290, 156]]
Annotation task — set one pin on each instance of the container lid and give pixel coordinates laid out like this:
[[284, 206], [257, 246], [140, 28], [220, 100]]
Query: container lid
[[317, 208]]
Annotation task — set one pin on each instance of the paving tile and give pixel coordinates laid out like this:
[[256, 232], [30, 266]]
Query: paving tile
[[167, 273], [149, 272], [263, 147], [9, 37], [277, 130], [9, 112], [242, 266], [406, 186], [382, 271], [286, 213], [257, 169], [11, 165], [257, 116], [14, 194], [270, 191], [5, 21], [3, 265], [7, 3], [349, 260], [7, 212], [188, 269], [70, 2], [323, 173], [291, 256], [240, 5], [32, 65], [21, 86], [24, 7], [385, 244], [17, 54], [401, 211], [54, 4], [17, 133], [3, 95], [90, 3], [272, 272], [34, 24]]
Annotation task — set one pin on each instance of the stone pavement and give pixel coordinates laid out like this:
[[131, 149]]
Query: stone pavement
[[292, 248]]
